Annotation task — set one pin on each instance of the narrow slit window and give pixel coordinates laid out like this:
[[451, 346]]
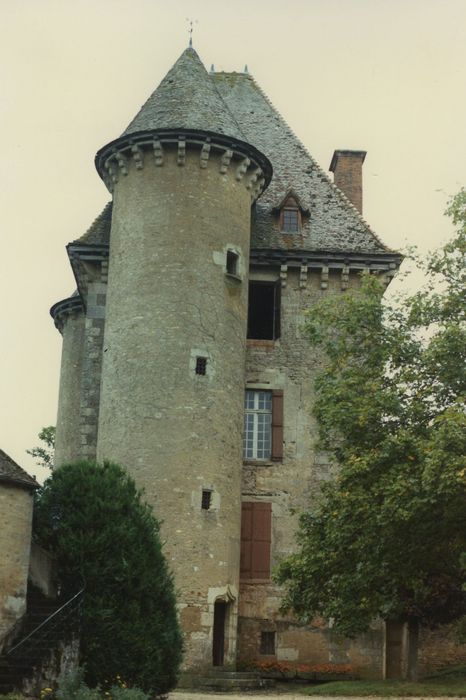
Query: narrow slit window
[[206, 499], [267, 646], [232, 262], [201, 365]]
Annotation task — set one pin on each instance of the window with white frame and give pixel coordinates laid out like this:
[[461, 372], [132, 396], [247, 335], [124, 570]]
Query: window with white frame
[[257, 424]]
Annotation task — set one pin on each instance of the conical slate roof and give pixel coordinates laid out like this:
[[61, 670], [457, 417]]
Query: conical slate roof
[[186, 99]]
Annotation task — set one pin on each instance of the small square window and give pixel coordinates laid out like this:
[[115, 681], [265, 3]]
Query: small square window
[[232, 262], [206, 499], [201, 365], [267, 646]]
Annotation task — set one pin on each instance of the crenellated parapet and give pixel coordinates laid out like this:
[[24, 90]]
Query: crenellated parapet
[[158, 149]]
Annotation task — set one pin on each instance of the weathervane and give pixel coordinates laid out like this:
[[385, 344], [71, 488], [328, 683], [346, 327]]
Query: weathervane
[[192, 22]]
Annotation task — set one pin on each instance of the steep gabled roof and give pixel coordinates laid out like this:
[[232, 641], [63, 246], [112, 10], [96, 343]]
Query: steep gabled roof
[[334, 223], [186, 99], [12, 473]]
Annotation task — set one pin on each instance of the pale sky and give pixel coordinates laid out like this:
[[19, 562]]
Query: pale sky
[[386, 76]]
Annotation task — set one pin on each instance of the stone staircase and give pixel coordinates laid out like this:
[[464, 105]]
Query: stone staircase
[[225, 681], [43, 627]]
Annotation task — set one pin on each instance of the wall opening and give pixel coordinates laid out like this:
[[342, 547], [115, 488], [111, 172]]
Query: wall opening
[[218, 642], [206, 499], [267, 645], [264, 310], [201, 365], [232, 262]]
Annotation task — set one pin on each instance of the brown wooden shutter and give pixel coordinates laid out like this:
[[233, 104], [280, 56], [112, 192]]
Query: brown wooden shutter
[[262, 525], [277, 425], [246, 540], [256, 527]]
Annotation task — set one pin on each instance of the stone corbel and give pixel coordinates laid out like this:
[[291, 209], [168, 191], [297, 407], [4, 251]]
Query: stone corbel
[[104, 271], [254, 178], [158, 152], [205, 153], [303, 276], [111, 170], [242, 169], [258, 189], [122, 162], [225, 161], [181, 150], [138, 156], [324, 277], [345, 277], [283, 274]]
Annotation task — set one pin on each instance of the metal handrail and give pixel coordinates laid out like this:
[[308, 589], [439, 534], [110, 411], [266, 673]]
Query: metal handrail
[[46, 621]]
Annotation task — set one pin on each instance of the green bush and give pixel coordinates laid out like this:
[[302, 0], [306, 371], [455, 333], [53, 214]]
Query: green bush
[[93, 518], [117, 692], [71, 686]]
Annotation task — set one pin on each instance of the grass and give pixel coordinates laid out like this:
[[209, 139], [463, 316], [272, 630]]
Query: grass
[[446, 683]]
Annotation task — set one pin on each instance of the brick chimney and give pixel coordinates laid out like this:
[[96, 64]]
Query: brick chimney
[[346, 167]]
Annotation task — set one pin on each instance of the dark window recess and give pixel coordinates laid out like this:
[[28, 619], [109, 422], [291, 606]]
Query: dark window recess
[[201, 365], [232, 262], [256, 528], [206, 500], [290, 220], [264, 310], [267, 643]]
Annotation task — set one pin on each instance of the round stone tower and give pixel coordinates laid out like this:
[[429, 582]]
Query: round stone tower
[[172, 392]]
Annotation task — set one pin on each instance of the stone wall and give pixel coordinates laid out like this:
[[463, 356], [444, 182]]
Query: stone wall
[[171, 300], [68, 438], [290, 364], [15, 543], [438, 649]]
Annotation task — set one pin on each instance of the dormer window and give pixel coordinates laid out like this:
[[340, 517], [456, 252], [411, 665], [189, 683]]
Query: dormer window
[[290, 212], [290, 220]]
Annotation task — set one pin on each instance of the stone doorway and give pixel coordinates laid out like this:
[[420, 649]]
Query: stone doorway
[[218, 641]]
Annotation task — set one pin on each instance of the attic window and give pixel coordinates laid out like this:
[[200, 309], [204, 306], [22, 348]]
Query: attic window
[[290, 212], [290, 220]]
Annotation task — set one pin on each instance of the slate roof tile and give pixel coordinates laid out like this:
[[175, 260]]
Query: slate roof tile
[[186, 98], [14, 474], [98, 232], [189, 97], [334, 223]]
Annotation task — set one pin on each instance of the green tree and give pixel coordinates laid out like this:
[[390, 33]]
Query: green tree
[[386, 538], [103, 534], [45, 454]]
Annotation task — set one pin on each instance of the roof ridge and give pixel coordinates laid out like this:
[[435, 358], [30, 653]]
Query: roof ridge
[[322, 172]]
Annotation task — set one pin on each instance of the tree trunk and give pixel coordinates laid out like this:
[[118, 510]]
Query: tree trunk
[[412, 649], [401, 645]]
